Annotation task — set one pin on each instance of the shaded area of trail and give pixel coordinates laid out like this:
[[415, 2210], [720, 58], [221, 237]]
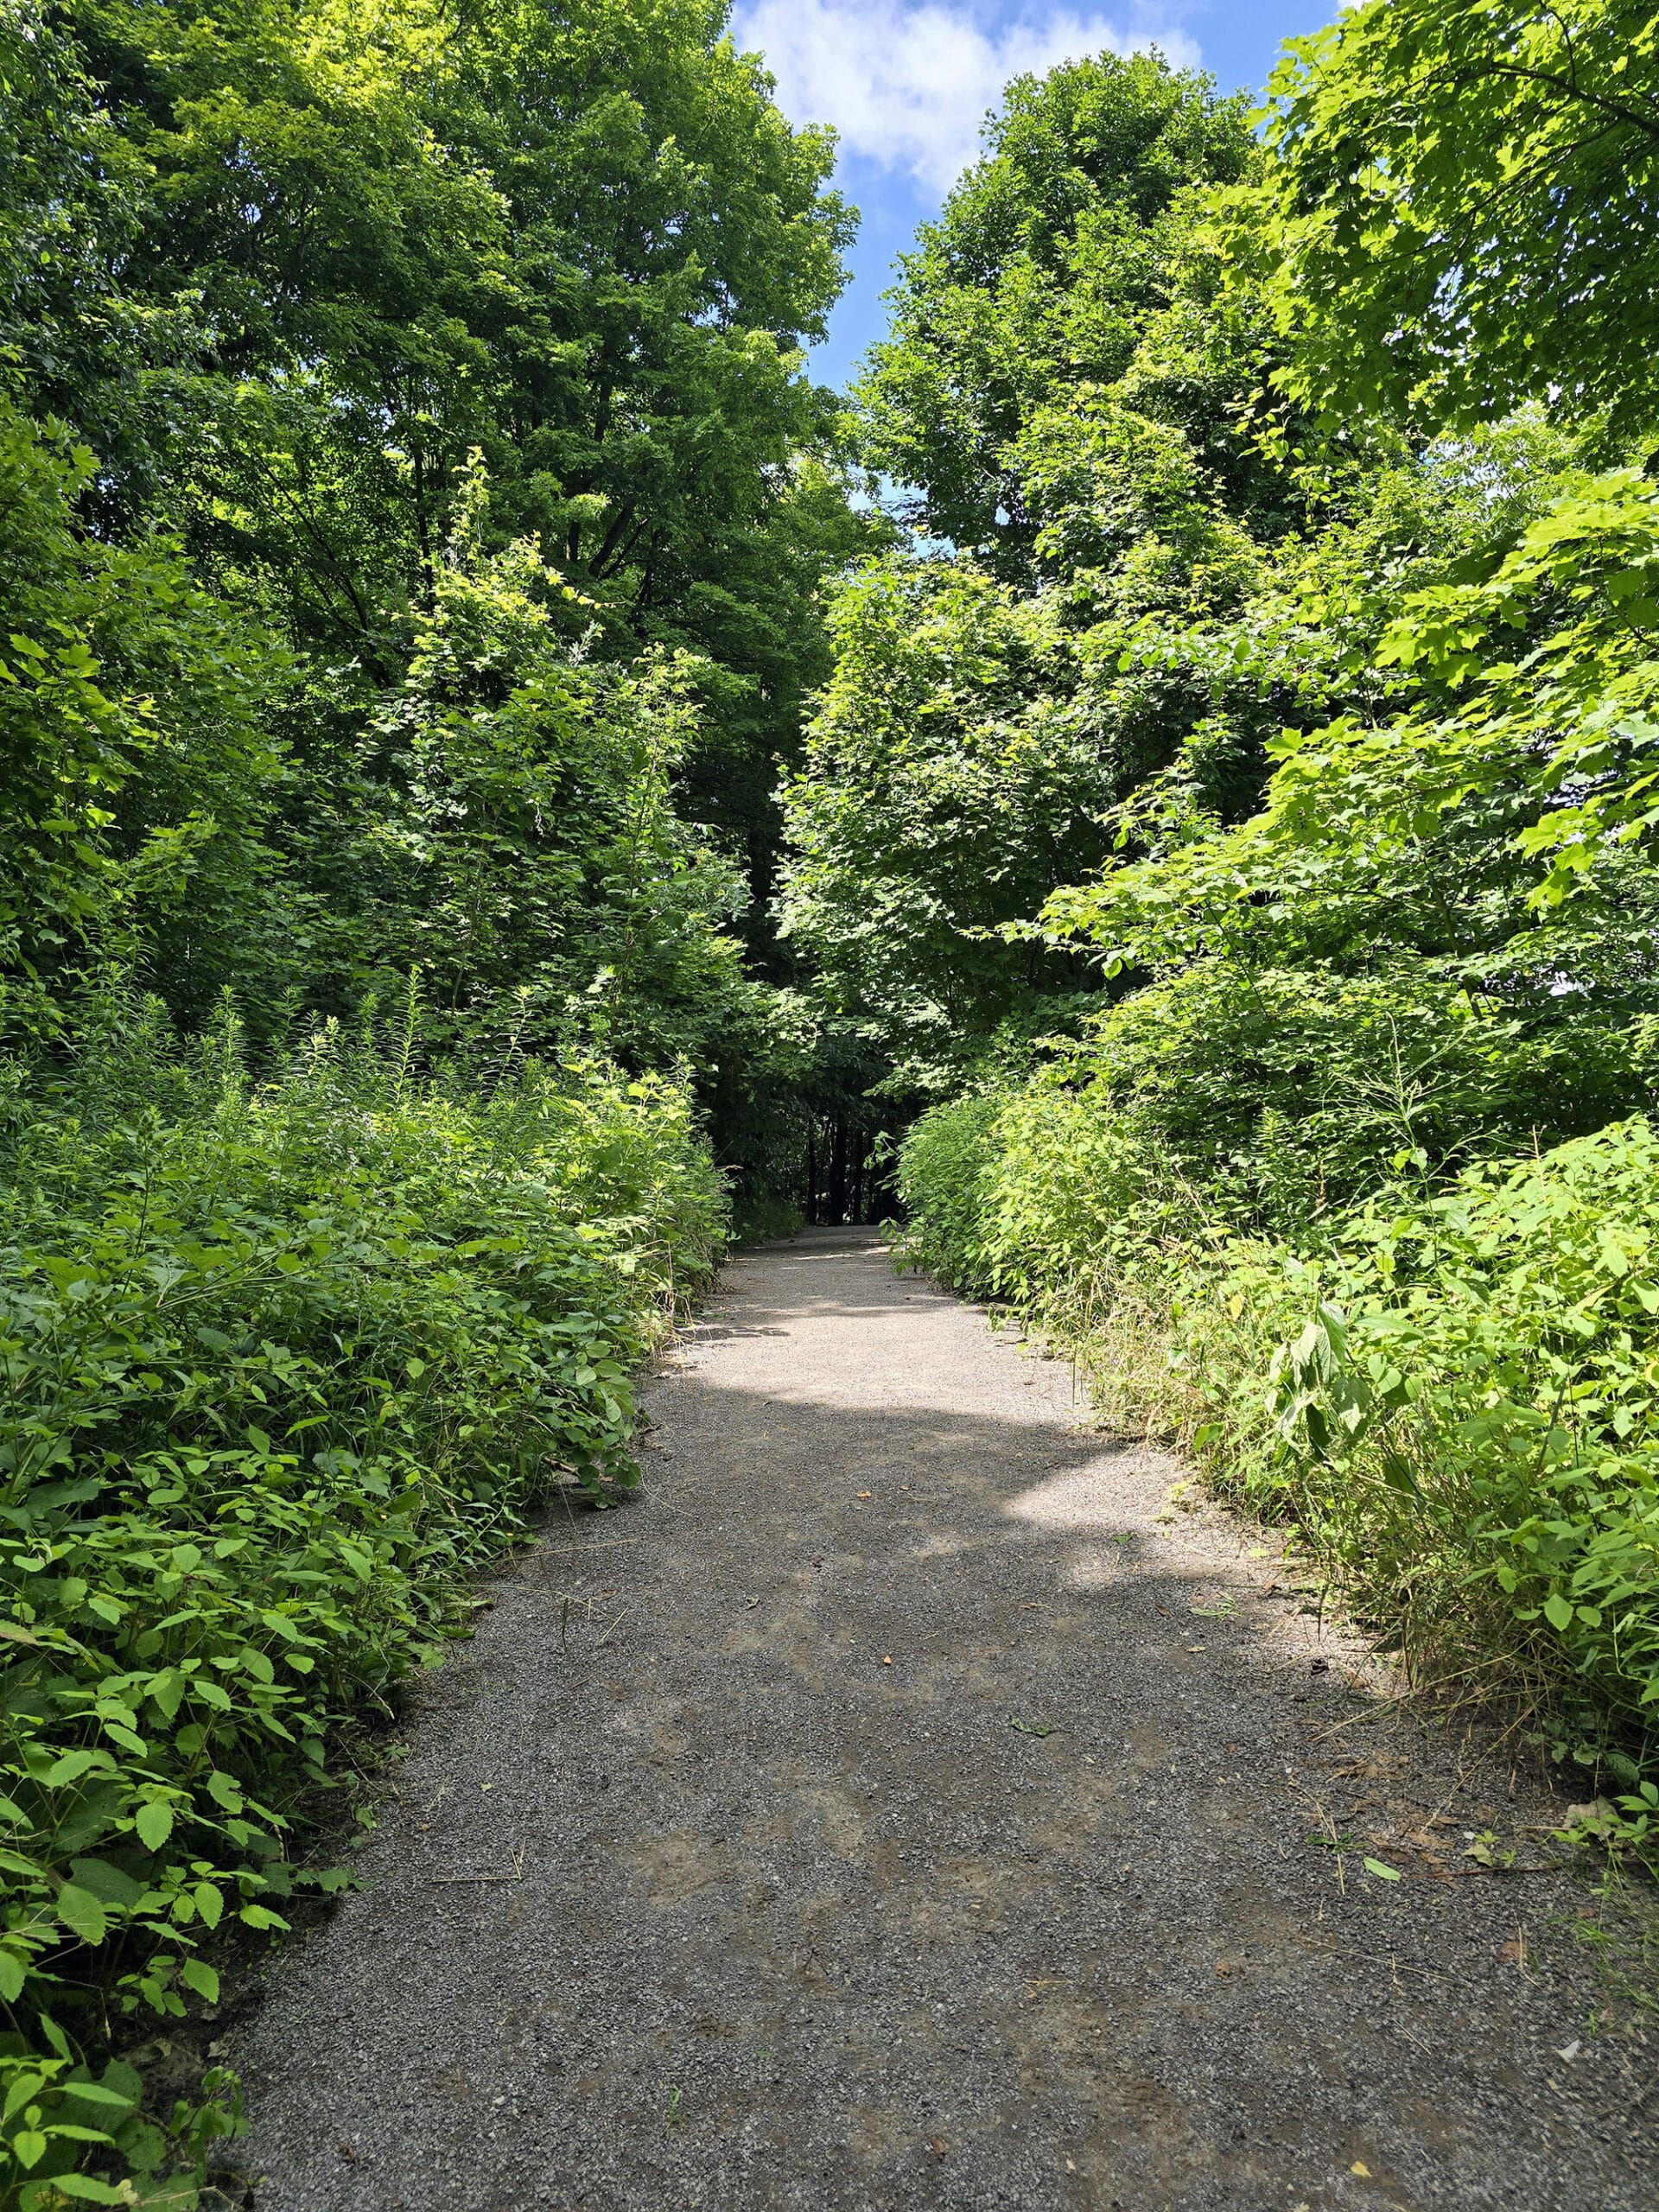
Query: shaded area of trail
[[795, 1904]]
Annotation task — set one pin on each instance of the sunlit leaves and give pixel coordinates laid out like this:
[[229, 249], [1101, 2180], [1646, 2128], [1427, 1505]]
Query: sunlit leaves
[[283, 1508], [1456, 213]]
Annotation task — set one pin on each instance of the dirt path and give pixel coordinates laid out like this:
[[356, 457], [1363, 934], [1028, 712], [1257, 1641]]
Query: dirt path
[[806, 1911]]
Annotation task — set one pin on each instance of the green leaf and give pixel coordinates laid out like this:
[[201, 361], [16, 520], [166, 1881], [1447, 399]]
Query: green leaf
[[1558, 1611], [197, 1975], [167, 1692], [13, 1973], [125, 2080], [70, 1768], [153, 1822], [95, 2092], [79, 1910], [24, 2088], [1378, 1867], [109, 1885]]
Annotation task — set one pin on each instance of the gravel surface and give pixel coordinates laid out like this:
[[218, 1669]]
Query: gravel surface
[[909, 1808]]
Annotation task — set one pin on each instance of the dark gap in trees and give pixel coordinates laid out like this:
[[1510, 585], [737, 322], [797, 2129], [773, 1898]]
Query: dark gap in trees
[[844, 1181]]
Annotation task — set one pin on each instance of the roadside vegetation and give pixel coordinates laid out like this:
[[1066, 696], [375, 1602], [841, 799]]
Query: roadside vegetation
[[413, 518], [285, 1363]]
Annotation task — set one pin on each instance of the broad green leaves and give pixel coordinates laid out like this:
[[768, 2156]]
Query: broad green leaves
[[1457, 214], [233, 1504]]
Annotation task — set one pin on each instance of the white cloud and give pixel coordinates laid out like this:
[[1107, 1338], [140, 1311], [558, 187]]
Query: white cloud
[[907, 84]]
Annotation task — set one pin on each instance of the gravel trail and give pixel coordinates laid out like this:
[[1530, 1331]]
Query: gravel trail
[[907, 1810]]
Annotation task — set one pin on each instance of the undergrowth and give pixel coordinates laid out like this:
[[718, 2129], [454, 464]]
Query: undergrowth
[[285, 1361], [1448, 1389]]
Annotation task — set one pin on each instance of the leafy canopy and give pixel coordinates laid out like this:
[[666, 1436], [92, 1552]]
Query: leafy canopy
[[1037, 279], [1460, 209]]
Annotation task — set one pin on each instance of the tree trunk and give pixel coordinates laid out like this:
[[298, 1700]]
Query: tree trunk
[[838, 1175]]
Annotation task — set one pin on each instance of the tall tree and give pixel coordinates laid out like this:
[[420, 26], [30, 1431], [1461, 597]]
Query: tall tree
[[1066, 390], [583, 241], [1038, 280]]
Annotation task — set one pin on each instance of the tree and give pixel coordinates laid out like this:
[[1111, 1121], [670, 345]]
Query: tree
[[506, 826], [72, 341], [1038, 282], [310, 258], [137, 778], [583, 240], [952, 778], [1460, 211], [1168, 590]]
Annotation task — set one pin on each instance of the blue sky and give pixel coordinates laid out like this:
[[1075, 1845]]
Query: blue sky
[[906, 82]]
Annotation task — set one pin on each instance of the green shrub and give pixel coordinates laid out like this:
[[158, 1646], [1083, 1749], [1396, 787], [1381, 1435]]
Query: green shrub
[[942, 1166], [1453, 1392], [1472, 1403], [283, 1363]]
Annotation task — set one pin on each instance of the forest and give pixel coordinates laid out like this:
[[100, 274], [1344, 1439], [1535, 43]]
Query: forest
[[507, 786]]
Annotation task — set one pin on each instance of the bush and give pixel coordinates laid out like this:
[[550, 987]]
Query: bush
[[284, 1361], [1450, 1392], [1469, 1414], [943, 1168]]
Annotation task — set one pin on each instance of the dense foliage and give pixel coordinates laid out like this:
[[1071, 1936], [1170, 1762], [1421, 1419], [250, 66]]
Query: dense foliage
[[1027, 302], [1056, 390], [414, 522], [284, 1360], [417, 515], [1458, 213]]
